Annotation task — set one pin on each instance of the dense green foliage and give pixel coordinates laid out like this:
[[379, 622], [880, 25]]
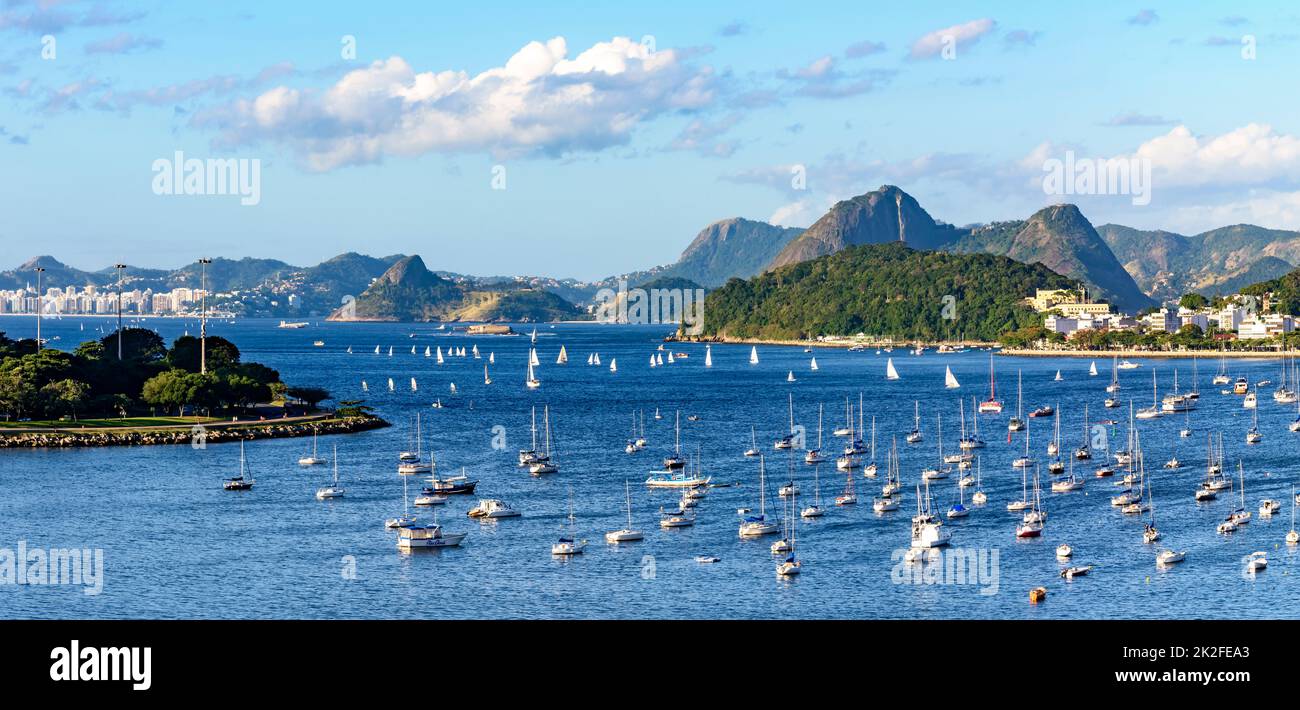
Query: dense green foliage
[[91, 380], [882, 290], [1285, 290]]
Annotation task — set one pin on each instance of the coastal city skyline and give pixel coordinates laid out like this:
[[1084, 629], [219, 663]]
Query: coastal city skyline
[[771, 113]]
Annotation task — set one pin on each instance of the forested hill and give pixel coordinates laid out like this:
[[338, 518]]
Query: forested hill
[[883, 290]]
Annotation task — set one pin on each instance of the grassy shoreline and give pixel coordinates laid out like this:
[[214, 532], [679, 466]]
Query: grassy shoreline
[[192, 432]]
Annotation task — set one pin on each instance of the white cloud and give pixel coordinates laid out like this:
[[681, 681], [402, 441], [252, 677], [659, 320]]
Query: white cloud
[[539, 102], [962, 35], [1253, 155]]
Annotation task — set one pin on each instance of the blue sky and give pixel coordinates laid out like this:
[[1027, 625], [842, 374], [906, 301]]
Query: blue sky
[[623, 129]]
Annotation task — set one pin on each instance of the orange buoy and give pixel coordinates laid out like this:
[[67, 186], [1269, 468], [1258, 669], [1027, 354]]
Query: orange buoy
[[1037, 594]]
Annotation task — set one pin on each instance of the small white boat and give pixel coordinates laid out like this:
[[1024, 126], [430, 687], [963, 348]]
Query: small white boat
[[1072, 572], [427, 536], [1064, 551], [1169, 557], [334, 490], [312, 459], [1256, 562], [492, 508]]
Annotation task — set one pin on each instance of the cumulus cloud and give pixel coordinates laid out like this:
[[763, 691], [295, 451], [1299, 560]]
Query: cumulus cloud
[[959, 36], [539, 103], [1253, 155]]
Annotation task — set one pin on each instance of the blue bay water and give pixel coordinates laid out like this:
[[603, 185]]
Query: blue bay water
[[177, 546]]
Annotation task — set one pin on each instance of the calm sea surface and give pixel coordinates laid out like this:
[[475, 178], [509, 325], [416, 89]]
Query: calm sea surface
[[177, 546]]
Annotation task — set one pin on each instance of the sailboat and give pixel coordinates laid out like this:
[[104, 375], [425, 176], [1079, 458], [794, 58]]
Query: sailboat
[[973, 441], [890, 372], [815, 510], [414, 387], [941, 471], [243, 481], [914, 436], [364, 387], [753, 355], [980, 497], [813, 365], [708, 356], [568, 545], [753, 447], [790, 566], [790, 376], [1253, 435], [1154, 410], [390, 351], [814, 456], [492, 358], [758, 525], [1221, 378], [477, 356], [870, 469], [613, 364], [627, 534], [535, 361], [1114, 375], [547, 463], [652, 361], [675, 461], [1058, 377], [531, 381], [562, 359], [787, 441], [391, 386], [1017, 422], [1293, 537], [486, 379], [313, 459], [405, 520], [670, 358], [531, 455], [1092, 369], [332, 491], [991, 405], [949, 381], [411, 462]]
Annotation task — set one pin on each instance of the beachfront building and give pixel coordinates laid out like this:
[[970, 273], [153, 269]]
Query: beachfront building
[[1162, 321], [1265, 326]]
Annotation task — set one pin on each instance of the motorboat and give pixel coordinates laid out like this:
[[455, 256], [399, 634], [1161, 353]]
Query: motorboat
[[427, 536], [492, 508]]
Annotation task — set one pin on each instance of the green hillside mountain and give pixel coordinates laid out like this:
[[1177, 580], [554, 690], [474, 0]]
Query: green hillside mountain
[[885, 215], [730, 248], [883, 290], [1166, 265]]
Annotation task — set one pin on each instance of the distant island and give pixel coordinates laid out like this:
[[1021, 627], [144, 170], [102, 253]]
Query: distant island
[[408, 292], [154, 395]]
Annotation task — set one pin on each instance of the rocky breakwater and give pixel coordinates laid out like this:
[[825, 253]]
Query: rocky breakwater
[[210, 433]]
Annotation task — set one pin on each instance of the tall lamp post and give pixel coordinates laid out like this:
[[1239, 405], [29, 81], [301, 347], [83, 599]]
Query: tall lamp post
[[39, 270], [203, 316], [119, 268]]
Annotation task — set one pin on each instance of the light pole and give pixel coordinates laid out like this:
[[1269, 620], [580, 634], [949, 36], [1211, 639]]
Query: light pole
[[39, 270], [119, 268], [203, 316]]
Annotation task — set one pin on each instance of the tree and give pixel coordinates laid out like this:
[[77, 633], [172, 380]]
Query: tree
[[138, 345], [186, 353], [178, 388], [1193, 301], [66, 395], [311, 395]]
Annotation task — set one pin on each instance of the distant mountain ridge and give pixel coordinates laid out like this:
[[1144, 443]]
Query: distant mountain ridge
[[730, 248]]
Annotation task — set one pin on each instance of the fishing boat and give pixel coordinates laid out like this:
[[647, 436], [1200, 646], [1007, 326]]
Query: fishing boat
[[492, 509], [334, 490], [627, 534], [991, 405], [242, 481], [570, 545], [312, 459], [1017, 422], [758, 525]]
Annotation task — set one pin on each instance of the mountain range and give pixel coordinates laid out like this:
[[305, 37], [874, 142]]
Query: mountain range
[[1131, 268]]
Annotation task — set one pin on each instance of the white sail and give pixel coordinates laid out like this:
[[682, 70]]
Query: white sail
[[753, 355], [813, 365], [390, 351], [475, 351], [349, 349], [414, 387], [790, 376], [708, 356], [364, 387], [412, 349], [660, 357], [597, 360], [532, 357], [563, 358], [652, 360], [391, 388], [670, 357], [890, 372], [440, 355], [592, 356], [1058, 376], [486, 380], [492, 358], [949, 380], [613, 364], [1092, 370], [453, 388], [376, 349]]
